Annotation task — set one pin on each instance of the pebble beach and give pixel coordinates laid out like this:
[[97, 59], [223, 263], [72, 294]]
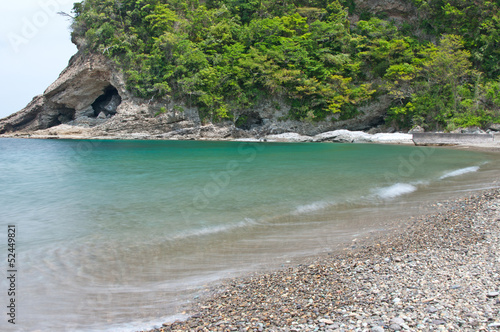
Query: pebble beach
[[439, 272]]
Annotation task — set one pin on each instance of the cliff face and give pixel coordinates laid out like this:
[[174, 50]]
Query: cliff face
[[89, 99]]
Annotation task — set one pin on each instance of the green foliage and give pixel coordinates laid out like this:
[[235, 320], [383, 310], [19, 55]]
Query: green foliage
[[162, 110], [478, 22], [440, 89], [241, 120], [223, 56]]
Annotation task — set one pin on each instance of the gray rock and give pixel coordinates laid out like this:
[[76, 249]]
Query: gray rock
[[416, 129], [378, 329], [395, 327], [493, 294], [373, 131], [468, 130], [494, 127], [88, 112], [113, 104], [398, 321], [431, 309], [343, 136], [289, 137]]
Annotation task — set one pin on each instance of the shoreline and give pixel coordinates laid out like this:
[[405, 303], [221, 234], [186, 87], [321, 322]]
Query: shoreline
[[439, 271], [460, 141], [493, 176]]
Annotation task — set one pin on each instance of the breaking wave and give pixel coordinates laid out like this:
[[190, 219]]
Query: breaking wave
[[460, 172], [395, 190]]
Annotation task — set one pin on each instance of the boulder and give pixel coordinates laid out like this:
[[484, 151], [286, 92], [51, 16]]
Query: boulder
[[289, 137], [395, 138], [468, 130], [343, 136], [494, 127], [416, 129]]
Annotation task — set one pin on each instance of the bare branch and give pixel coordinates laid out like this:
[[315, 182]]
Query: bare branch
[[66, 15]]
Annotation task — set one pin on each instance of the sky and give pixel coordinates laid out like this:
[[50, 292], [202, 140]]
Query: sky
[[35, 46]]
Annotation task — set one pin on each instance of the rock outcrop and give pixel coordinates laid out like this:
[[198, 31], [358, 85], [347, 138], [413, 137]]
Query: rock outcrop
[[69, 98], [90, 99]]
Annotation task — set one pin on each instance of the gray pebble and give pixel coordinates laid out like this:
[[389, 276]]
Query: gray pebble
[[397, 321], [378, 329], [415, 269], [431, 309], [395, 327]]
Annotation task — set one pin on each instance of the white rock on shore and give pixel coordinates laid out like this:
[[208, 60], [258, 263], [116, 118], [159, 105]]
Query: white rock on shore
[[209, 133], [396, 138], [344, 136], [289, 137]]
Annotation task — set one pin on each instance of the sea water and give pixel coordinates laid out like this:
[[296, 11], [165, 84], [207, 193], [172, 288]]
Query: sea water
[[119, 235]]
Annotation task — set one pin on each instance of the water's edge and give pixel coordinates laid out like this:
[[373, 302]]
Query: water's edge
[[387, 228], [143, 244]]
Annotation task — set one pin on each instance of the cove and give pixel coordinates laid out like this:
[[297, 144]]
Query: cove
[[117, 235]]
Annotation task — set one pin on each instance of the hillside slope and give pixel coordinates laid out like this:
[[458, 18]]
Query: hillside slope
[[231, 68]]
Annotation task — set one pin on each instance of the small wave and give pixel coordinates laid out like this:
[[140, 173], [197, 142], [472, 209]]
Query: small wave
[[395, 190], [216, 229], [460, 172], [308, 208]]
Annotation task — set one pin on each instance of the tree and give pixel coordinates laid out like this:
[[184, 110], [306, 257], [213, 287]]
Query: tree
[[447, 65]]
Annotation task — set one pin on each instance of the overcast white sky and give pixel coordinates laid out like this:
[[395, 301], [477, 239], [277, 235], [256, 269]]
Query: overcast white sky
[[35, 46]]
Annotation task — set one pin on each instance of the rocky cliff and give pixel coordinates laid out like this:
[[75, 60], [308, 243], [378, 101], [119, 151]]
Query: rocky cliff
[[89, 99]]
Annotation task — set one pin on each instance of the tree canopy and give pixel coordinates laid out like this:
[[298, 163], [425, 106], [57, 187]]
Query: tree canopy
[[441, 71]]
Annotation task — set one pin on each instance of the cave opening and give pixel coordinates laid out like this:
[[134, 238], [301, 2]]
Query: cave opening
[[61, 116], [107, 103], [249, 120], [66, 115]]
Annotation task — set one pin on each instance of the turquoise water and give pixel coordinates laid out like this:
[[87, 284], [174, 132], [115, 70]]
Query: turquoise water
[[118, 234]]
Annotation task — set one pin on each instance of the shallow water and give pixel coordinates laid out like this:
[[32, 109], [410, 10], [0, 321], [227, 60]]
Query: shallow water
[[118, 235]]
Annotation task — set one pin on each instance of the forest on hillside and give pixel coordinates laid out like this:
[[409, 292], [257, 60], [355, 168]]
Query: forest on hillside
[[441, 68]]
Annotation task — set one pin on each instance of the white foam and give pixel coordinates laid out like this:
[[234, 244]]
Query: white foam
[[395, 190], [216, 229], [460, 172], [308, 208]]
